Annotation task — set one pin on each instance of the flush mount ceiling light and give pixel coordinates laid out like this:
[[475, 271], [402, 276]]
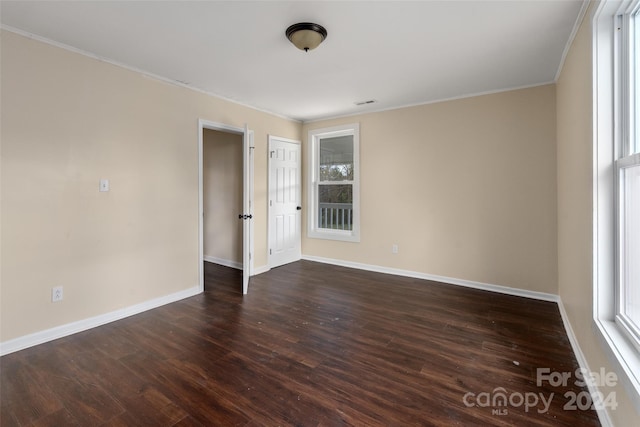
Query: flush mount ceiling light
[[306, 35]]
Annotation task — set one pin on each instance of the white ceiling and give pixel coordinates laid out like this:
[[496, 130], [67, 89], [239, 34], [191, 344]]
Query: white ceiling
[[398, 53]]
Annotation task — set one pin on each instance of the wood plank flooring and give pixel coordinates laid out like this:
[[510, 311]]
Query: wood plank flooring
[[311, 345]]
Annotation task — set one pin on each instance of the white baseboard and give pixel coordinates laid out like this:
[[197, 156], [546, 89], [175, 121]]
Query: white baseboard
[[226, 262], [603, 415], [450, 280], [47, 335]]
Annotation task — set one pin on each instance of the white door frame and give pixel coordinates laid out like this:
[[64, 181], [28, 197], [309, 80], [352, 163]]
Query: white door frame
[[202, 125], [269, 183]]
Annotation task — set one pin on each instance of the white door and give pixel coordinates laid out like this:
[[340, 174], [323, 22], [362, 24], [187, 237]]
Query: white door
[[284, 201], [247, 244]]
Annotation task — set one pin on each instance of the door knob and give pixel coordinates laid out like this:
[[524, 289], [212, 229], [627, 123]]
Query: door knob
[[298, 208]]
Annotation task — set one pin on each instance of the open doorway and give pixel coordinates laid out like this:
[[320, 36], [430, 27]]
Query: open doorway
[[225, 198], [222, 197]]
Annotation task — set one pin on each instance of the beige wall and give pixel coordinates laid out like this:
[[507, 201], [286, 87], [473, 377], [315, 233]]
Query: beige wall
[[466, 188], [222, 183], [575, 197], [69, 121]]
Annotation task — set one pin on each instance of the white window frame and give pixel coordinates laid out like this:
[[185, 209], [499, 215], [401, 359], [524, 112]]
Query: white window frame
[[313, 231], [613, 125]]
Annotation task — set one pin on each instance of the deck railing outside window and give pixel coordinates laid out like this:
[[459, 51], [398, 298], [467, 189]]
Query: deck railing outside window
[[335, 216]]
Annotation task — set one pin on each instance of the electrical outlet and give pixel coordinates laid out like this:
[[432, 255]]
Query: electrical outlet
[[56, 294], [394, 249]]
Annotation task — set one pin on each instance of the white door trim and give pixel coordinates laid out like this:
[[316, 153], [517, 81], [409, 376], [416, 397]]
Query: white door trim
[[270, 242], [202, 125]]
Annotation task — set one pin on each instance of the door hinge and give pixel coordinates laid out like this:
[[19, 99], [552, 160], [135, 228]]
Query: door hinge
[[270, 252], [271, 154]]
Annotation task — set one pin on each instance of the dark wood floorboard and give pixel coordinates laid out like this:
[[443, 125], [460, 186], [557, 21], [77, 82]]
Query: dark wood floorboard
[[310, 345]]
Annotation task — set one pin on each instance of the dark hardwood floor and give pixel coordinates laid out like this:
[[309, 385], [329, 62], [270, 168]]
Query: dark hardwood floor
[[311, 345]]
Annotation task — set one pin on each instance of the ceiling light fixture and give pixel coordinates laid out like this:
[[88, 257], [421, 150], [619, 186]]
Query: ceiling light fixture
[[306, 35]]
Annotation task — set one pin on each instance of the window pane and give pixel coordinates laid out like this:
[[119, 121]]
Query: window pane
[[335, 207], [631, 248], [336, 158]]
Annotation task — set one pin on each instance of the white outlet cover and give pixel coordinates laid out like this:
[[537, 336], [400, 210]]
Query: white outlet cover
[[56, 294], [104, 185]]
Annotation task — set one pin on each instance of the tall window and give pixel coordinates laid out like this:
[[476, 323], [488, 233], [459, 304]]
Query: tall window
[[616, 39], [334, 184], [627, 166]]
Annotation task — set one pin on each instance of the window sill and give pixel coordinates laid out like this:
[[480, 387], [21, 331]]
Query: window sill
[[624, 355], [344, 236]]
